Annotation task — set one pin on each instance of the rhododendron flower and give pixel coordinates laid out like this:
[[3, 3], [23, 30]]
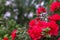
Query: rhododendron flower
[[36, 30], [50, 27], [35, 33], [13, 34], [42, 28], [40, 10], [55, 6], [5, 38], [34, 22], [54, 17], [53, 28]]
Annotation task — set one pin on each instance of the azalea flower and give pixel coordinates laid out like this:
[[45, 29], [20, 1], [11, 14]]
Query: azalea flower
[[55, 6], [34, 22], [40, 10], [54, 17], [42, 28]]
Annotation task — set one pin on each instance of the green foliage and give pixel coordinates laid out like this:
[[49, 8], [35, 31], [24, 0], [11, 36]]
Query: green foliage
[[9, 26]]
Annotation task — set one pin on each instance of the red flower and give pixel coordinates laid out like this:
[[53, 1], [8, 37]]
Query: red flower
[[13, 34], [36, 30], [33, 22], [41, 29], [50, 27], [53, 28], [54, 6], [35, 33], [58, 38], [5, 38], [40, 10], [54, 17]]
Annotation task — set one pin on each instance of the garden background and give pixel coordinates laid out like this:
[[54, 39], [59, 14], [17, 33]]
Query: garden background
[[16, 14]]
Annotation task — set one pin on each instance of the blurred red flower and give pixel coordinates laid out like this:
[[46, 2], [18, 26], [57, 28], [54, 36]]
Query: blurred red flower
[[36, 30], [50, 28], [35, 33], [13, 34], [54, 6], [34, 22], [54, 17], [5, 38], [53, 28], [40, 10]]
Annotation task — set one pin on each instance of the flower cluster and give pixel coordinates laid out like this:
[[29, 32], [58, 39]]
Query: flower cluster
[[39, 29], [55, 6], [40, 10], [54, 17], [42, 29]]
